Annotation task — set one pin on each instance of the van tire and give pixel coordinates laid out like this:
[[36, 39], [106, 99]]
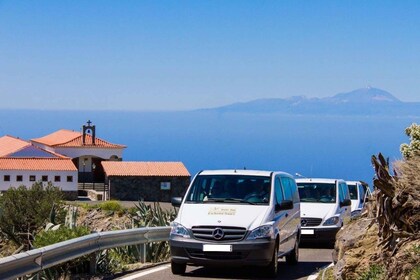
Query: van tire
[[178, 268], [271, 270], [293, 256]]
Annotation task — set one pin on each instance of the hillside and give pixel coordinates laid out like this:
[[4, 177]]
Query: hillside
[[364, 101]]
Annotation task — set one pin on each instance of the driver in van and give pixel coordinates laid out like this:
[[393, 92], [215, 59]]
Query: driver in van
[[328, 195], [218, 191]]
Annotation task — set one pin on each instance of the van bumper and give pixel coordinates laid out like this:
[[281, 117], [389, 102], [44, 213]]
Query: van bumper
[[319, 234], [253, 252]]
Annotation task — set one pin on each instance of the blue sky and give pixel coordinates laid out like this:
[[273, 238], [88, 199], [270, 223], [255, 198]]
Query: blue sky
[[176, 55]]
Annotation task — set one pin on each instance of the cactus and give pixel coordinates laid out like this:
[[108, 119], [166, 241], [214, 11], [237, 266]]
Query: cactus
[[71, 217]]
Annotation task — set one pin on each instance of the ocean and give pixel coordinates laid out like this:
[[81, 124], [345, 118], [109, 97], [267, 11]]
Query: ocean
[[328, 146]]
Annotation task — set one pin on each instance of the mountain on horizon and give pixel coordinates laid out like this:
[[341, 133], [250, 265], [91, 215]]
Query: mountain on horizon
[[363, 101], [365, 95]]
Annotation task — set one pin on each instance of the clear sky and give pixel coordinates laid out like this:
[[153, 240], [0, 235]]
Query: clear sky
[[166, 55]]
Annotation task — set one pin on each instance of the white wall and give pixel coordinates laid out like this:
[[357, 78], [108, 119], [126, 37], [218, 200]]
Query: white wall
[[97, 152], [63, 184]]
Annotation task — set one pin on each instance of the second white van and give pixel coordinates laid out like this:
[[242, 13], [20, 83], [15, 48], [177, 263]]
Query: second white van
[[325, 207]]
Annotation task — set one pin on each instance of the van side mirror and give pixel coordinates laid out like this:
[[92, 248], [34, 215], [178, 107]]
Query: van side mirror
[[345, 202], [176, 201], [284, 205]]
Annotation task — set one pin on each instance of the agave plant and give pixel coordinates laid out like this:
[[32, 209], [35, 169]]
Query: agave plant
[[151, 216]]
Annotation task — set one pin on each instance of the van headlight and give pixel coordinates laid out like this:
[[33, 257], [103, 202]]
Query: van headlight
[[266, 231], [332, 221], [180, 230]]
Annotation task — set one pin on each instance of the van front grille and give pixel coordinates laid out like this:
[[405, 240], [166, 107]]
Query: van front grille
[[310, 222], [218, 233]]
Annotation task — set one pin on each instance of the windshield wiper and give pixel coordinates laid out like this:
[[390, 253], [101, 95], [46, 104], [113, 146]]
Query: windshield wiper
[[229, 200]]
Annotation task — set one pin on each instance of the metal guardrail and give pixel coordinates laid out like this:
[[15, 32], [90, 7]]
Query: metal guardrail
[[38, 259]]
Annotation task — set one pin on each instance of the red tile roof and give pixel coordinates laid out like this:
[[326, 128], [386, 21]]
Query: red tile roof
[[10, 144], [41, 164], [142, 168], [14, 147], [68, 138]]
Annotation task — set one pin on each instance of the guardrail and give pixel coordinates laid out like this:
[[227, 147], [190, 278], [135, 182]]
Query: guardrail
[[38, 259]]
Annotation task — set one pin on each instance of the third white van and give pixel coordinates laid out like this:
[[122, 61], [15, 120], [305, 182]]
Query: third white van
[[358, 194]]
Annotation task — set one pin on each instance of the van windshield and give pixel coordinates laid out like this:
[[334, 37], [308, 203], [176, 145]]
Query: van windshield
[[317, 192], [230, 189]]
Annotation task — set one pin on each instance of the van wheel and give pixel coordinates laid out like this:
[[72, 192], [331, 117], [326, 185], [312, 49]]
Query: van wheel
[[293, 256], [271, 270], [178, 268]]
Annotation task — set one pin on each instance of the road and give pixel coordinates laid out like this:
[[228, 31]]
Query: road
[[310, 260]]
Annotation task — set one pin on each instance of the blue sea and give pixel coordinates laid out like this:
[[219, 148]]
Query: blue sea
[[314, 146]]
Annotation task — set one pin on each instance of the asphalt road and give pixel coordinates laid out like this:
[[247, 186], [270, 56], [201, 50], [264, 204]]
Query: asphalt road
[[310, 261]]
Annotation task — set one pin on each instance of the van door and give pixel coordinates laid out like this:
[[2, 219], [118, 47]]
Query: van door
[[291, 225], [280, 216], [345, 211]]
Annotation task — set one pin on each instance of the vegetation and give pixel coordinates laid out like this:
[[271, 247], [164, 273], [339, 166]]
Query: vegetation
[[59, 234], [391, 227], [111, 205], [152, 216], [48, 237], [25, 211], [326, 274], [408, 150], [375, 272]]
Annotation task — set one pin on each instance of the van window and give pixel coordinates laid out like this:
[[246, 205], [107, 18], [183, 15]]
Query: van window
[[317, 192], [278, 191], [287, 188], [230, 189], [295, 193], [290, 189], [362, 193], [353, 191], [340, 193], [346, 191]]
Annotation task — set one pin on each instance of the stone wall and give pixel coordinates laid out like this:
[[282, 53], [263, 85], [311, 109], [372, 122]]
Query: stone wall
[[146, 188]]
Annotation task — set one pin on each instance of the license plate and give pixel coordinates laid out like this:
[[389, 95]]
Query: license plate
[[217, 248], [307, 231]]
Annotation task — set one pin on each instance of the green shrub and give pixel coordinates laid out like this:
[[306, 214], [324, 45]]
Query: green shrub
[[375, 272], [415, 273], [45, 238], [49, 237], [25, 211], [111, 205]]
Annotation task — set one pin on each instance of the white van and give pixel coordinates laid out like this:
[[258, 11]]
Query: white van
[[358, 195], [325, 207], [236, 218]]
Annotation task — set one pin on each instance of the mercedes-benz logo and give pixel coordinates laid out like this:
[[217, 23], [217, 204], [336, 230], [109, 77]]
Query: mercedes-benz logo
[[218, 233], [303, 222]]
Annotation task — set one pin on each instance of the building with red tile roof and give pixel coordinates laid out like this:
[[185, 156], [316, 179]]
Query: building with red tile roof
[[74, 160], [22, 163], [85, 149], [150, 181]]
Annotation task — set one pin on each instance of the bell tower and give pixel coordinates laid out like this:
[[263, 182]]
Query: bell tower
[[89, 129]]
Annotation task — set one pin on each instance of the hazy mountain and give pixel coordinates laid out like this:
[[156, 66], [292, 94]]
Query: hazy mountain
[[364, 101]]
